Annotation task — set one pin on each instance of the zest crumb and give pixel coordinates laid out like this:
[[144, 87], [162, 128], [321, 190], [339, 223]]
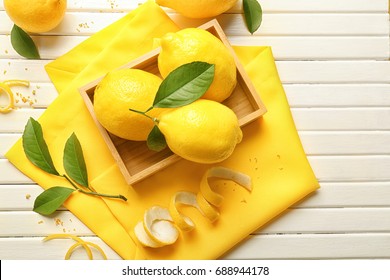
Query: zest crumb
[[28, 196], [59, 222], [40, 222]]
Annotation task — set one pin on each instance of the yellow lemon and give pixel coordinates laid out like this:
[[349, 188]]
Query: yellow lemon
[[120, 91], [204, 131], [36, 16], [193, 44], [198, 8]]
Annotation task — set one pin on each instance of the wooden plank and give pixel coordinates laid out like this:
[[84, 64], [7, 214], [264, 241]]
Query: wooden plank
[[299, 95], [330, 195], [284, 48], [317, 119], [327, 169], [286, 246], [351, 168], [300, 24], [313, 246], [11, 175], [347, 119], [338, 95], [309, 72], [28, 223], [345, 142], [348, 220], [33, 248], [291, 72], [319, 47], [366, 6], [16, 120], [314, 142], [349, 194], [77, 23]]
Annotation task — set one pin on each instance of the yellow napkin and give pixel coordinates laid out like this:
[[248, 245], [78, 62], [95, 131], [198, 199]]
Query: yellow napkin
[[271, 152]]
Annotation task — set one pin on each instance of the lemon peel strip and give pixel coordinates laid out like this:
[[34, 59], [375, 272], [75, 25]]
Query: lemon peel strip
[[184, 198], [79, 242], [74, 246], [158, 226], [222, 173], [17, 83], [4, 87]]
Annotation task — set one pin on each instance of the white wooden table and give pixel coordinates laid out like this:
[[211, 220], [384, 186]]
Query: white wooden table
[[333, 59]]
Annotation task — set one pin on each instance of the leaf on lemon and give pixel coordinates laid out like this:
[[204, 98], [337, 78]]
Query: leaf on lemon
[[23, 44], [253, 15], [156, 140], [51, 199], [74, 162], [35, 147], [184, 85]]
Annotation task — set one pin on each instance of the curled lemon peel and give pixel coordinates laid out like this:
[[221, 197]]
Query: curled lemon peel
[[17, 83], [5, 86], [11, 103], [79, 242], [158, 227], [183, 198], [222, 173]]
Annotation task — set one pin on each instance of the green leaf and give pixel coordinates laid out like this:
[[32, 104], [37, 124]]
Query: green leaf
[[184, 85], [35, 147], [51, 199], [74, 162], [156, 140], [253, 15], [23, 44]]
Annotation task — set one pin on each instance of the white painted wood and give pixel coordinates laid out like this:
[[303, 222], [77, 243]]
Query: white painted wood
[[351, 168], [351, 220], [267, 5], [314, 142], [33, 248], [326, 168], [76, 23], [332, 57], [313, 246], [298, 72], [38, 225], [307, 246], [338, 95], [349, 194], [305, 118], [284, 48], [346, 143], [330, 195], [299, 95], [9, 174]]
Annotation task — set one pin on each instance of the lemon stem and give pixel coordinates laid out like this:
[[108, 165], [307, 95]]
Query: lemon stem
[[90, 192], [155, 120]]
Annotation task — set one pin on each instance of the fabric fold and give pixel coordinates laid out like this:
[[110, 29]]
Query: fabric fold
[[271, 151]]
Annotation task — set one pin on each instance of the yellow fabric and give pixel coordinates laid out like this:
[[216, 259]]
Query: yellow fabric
[[271, 152]]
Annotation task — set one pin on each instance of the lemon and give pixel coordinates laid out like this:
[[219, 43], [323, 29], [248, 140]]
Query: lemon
[[198, 8], [120, 91], [204, 131], [36, 16], [193, 44]]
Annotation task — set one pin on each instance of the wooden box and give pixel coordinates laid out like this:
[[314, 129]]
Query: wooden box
[[134, 159]]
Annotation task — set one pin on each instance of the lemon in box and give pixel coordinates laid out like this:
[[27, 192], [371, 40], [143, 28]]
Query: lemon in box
[[135, 160]]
